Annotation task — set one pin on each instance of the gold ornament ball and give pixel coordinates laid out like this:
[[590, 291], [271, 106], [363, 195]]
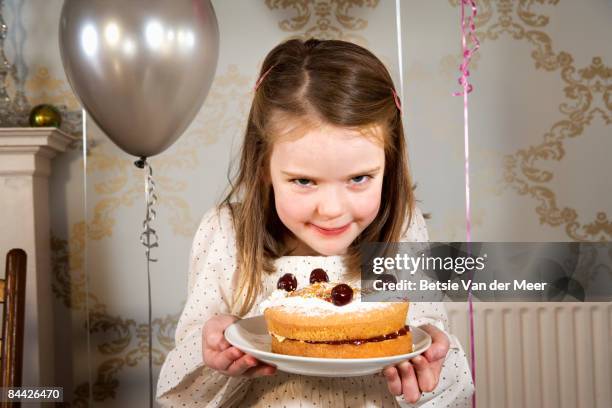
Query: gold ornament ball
[[45, 115]]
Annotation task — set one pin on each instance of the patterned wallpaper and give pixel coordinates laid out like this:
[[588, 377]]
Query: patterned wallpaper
[[540, 139]]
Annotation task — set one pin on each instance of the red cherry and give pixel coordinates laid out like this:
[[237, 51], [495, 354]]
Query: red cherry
[[318, 275], [287, 282], [341, 294]]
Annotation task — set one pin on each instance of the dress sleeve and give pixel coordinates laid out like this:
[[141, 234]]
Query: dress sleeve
[[417, 230], [184, 379], [455, 386], [421, 313]]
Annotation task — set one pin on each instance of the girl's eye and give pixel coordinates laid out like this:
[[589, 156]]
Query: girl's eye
[[302, 182], [360, 179]]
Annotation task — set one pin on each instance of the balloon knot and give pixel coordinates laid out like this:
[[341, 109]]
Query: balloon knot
[[140, 163]]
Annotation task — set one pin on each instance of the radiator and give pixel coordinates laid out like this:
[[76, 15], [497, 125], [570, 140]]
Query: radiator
[[539, 354]]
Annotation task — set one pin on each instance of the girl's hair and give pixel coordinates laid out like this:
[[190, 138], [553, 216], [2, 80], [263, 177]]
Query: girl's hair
[[311, 83]]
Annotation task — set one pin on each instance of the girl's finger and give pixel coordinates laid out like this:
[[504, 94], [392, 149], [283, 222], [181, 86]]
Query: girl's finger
[[222, 360], [424, 374], [439, 343], [410, 386], [239, 366], [436, 368], [394, 382], [260, 370], [436, 352], [216, 341], [223, 343], [208, 334]]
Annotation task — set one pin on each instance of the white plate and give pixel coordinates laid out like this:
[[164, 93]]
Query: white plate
[[251, 336]]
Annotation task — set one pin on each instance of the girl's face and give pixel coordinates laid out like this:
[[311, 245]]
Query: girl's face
[[327, 187]]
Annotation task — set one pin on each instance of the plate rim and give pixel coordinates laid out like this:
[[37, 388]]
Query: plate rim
[[287, 357]]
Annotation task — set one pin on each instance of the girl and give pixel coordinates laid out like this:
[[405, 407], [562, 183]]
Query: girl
[[323, 169]]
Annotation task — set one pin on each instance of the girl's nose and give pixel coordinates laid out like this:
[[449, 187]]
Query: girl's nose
[[331, 203]]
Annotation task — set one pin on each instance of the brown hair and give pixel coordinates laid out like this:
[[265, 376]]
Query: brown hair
[[314, 82]]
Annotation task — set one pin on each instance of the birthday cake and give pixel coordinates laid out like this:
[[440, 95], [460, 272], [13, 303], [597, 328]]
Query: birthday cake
[[327, 319]]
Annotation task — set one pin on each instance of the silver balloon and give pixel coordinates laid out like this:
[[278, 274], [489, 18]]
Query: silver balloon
[[141, 68]]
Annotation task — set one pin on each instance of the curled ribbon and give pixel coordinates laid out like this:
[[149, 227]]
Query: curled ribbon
[[468, 28], [149, 239], [467, 23]]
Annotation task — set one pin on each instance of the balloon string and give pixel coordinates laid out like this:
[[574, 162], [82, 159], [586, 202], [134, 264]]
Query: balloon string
[[149, 239], [467, 24], [86, 256]]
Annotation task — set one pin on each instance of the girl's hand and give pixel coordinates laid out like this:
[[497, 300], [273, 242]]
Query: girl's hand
[[421, 373], [223, 357]]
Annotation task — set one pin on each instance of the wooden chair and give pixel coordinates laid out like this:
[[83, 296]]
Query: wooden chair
[[12, 295]]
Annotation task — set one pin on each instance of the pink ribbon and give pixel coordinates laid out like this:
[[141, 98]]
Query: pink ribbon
[[468, 29], [467, 24]]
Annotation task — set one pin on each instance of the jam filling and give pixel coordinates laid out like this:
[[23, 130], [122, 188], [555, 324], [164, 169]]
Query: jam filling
[[390, 336]]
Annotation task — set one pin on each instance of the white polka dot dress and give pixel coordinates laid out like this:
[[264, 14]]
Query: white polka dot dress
[[185, 381]]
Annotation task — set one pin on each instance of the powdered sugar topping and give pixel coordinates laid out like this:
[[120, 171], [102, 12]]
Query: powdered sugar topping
[[314, 305]]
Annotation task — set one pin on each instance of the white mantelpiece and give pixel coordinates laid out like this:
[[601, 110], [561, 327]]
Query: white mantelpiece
[[25, 166]]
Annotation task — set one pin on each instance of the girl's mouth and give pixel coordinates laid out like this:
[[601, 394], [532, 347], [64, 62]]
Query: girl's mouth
[[331, 231]]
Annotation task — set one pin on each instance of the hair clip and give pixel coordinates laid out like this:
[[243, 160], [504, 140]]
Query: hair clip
[[397, 100], [261, 78]]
